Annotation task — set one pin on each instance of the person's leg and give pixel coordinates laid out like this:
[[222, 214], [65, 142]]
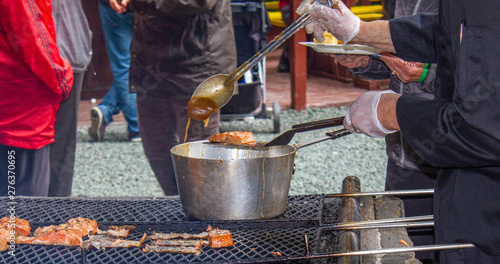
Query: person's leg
[[163, 126], [24, 171], [118, 30], [398, 178], [467, 256], [157, 128], [62, 151], [284, 64]]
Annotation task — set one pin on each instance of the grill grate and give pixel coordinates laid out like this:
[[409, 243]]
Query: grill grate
[[135, 210], [249, 244], [254, 240]]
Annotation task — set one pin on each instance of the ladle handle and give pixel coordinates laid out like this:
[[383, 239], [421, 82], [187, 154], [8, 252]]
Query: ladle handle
[[330, 135], [270, 47], [337, 121]]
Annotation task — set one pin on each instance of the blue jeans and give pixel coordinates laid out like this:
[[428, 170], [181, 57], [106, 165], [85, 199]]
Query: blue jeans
[[118, 30]]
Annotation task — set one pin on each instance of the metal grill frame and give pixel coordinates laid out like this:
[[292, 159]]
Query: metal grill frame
[[254, 239]]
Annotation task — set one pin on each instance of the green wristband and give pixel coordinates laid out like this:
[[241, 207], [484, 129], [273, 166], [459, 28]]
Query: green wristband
[[424, 74]]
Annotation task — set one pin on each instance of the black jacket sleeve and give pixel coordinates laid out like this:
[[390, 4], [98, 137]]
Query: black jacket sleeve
[[413, 37], [443, 137], [376, 70], [460, 128]]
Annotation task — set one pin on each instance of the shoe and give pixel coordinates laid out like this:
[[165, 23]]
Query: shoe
[[284, 66], [134, 137], [97, 124]]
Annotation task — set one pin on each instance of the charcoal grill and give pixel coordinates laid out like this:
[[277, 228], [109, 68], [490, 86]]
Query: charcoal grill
[[304, 233], [254, 240]]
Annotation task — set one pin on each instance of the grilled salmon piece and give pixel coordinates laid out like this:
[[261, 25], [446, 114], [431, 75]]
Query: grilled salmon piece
[[234, 137], [85, 225], [20, 226], [3, 243], [240, 138], [64, 237], [70, 233], [218, 238], [219, 138]]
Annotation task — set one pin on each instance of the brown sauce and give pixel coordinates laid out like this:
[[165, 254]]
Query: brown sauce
[[187, 128], [200, 108]]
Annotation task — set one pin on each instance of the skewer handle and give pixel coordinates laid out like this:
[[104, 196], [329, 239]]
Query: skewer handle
[[394, 193]]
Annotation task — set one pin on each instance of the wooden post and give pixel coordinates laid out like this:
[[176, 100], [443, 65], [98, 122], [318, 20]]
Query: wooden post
[[298, 63]]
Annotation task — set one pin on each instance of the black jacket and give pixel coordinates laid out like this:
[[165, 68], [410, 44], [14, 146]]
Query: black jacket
[[459, 131], [178, 44], [398, 149]]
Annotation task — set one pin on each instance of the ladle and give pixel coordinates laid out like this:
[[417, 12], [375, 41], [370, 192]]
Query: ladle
[[217, 90]]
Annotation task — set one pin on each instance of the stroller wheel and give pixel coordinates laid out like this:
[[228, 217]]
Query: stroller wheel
[[276, 116]]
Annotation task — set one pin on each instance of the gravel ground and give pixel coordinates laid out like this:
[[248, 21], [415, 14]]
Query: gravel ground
[[117, 167]]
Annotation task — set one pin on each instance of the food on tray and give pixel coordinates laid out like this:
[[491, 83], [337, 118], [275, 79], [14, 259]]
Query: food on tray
[[69, 236], [85, 225], [20, 226], [11, 229], [3, 242], [117, 231], [234, 137], [202, 235], [107, 241], [163, 249], [190, 243], [180, 242], [328, 39], [166, 243], [218, 238], [70, 233]]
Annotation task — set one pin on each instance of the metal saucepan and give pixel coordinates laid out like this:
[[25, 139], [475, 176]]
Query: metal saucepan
[[226, 182]]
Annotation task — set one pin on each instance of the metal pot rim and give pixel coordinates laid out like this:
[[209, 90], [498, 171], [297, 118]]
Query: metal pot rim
[[183, 149]]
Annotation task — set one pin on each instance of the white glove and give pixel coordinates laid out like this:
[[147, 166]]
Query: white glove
[[339, 21], [362, 117]]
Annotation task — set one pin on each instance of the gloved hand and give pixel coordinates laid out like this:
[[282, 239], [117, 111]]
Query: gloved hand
[[362, 117], [338, 20]]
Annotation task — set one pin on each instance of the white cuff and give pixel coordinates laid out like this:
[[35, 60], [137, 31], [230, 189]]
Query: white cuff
[[354, 33]]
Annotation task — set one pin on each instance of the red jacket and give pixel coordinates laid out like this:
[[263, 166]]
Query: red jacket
[[34, 78]]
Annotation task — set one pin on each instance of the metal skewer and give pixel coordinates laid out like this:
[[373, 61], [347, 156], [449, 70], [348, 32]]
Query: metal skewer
[[299, 23], [376, 252], [396, 250], [395, 193], [383, 221], [386, 225]]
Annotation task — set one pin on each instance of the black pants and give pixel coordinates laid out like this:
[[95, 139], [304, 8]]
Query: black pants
[[468, 256], [163, 125], [400, 179], [24, 171], [62, 151]]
